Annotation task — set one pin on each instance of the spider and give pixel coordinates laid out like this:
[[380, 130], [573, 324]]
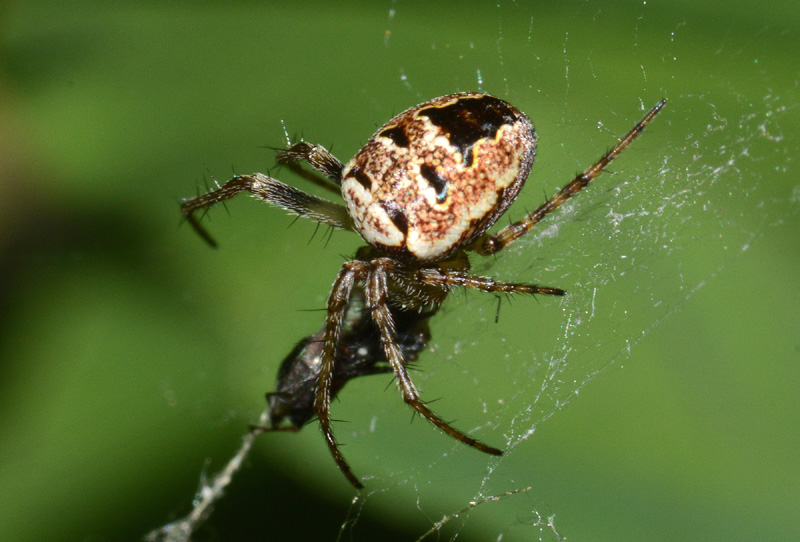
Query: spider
[[422, 193]]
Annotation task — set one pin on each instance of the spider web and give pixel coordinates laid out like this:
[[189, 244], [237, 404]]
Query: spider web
[[656, 401], [709, 179]]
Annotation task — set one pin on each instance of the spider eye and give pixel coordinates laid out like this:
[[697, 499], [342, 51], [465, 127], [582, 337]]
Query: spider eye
[[438, 175]]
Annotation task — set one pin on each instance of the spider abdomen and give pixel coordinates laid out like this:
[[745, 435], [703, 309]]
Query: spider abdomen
[[438, 175]]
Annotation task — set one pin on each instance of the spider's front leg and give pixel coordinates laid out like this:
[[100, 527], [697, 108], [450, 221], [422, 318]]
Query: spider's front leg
[[337, 305], [491, 244], [377, 294], [271, 191]]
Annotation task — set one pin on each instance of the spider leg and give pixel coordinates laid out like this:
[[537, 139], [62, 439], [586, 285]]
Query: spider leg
[[337, 306], [448, 279], [272, 191], [317, 156], [377, 293], [496, 242]]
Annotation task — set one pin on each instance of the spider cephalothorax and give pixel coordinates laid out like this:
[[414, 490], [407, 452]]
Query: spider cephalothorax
[[422, 193]]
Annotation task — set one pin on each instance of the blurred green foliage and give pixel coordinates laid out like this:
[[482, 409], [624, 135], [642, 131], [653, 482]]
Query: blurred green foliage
[[131, 352]]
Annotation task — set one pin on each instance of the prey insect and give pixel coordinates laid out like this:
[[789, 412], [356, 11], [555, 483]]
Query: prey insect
[[359, 354], [422, 192]]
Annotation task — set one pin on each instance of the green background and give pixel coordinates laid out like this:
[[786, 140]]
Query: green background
[[132, 353]]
